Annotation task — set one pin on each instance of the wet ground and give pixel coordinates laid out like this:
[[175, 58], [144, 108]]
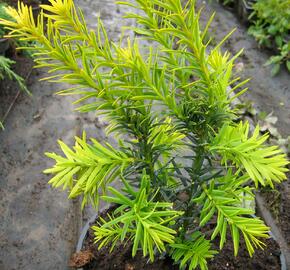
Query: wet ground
[[39, 226]]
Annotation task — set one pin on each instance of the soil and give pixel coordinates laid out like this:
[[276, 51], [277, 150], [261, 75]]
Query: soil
[[9, 90], [277, 201], [267, 259], [284, 212], [90, 258], [121, 259]]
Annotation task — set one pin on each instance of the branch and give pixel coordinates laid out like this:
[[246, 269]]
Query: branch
[[264, 164], [87, 169]]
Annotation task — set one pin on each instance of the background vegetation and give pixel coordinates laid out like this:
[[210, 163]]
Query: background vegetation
[[269, 24], [271, 28]]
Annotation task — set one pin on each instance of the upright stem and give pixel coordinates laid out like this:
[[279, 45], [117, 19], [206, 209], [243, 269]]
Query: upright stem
[[196, 167], [149, 160]]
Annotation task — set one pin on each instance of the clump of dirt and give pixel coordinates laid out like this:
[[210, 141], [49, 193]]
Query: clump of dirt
[[80, 259]]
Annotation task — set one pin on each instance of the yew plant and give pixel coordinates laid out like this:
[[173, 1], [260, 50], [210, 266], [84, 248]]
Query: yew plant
[[184, 160]]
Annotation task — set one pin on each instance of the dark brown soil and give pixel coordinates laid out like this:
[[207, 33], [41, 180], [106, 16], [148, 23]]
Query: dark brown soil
[[284, 213], [267, 259], [9, 89], [279, 206], [120, 258]]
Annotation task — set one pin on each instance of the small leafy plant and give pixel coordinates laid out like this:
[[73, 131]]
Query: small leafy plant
[[6, 63], [271, 28], [183, 159], [5, 69]]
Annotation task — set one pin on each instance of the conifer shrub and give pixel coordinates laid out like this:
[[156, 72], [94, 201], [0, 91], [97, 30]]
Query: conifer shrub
[[183, 158]]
